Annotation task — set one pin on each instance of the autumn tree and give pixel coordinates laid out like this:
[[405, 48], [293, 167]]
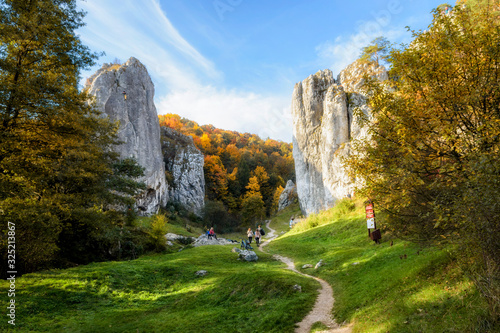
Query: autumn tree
[[265, 187], [377, 51], [276, 198], [432, 162], [216, 180], [58, 176], [252, 207]]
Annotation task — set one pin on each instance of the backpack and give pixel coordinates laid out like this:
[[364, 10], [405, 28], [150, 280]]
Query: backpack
[[262, 232]]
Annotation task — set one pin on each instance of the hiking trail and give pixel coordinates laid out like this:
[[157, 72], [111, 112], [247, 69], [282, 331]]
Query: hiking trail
[[324, 303]]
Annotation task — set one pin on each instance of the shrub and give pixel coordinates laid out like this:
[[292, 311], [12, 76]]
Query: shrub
[[158, 230]]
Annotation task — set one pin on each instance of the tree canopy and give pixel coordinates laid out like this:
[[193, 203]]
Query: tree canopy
[[58, 175]]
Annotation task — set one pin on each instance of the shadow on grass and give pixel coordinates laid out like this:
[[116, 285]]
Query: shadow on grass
[[161, 293]]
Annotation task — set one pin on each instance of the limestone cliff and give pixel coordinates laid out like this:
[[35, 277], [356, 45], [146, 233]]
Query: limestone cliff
[[323, 125], [125, 93], [184, 167]]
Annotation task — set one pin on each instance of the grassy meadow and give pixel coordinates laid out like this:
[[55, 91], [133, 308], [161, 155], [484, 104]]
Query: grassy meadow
[[161, 293], [379, 287]]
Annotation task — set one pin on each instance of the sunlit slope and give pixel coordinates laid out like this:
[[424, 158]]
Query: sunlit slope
[[383, 288]]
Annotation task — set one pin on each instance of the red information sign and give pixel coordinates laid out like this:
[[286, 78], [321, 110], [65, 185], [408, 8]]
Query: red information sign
[[370, 214], [369, 211]]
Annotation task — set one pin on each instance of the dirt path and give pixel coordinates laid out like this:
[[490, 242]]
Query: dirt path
[[324, 303]]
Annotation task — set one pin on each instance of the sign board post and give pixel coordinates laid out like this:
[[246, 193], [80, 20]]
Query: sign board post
[[370, 222]]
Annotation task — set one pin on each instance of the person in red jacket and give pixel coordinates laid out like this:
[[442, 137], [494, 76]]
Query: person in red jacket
[[212, 233]]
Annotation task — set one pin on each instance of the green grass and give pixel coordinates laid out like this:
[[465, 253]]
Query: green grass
[[161, 293], [280, 222], [375, 287]]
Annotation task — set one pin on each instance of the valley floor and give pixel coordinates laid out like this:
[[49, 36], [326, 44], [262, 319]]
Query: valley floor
[[394, 286]]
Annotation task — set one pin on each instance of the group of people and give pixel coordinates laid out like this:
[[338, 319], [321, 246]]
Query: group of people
[[211, 233], [257, 234]]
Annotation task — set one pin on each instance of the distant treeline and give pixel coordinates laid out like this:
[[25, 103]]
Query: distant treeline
[[244, 174]]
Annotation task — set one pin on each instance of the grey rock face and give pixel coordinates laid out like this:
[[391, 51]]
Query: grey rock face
[[323, 126], [288, 196], [125, 93], [184, 165]]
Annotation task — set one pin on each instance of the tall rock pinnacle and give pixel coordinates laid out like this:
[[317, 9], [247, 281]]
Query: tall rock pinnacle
[[125, 94], [322, 112]]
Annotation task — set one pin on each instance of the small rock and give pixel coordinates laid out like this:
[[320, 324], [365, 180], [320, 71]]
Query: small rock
[[169, 243], [248, 255], [235, 250], [297, 288], [307, 266], [319, 264], [355, 263], [201, 273]]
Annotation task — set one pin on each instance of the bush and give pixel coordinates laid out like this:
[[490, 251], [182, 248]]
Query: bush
[[157, 231]]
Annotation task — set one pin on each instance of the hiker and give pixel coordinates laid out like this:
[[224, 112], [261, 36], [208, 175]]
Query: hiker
[[124, 95], [291, 222], [212, 233], [250, 235], [261, 231], [208, 234], [257, 236]]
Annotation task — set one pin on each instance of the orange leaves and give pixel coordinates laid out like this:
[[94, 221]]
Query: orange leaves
[[237, 163]]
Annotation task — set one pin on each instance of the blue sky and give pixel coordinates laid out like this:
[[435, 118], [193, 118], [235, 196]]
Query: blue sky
[[234, 63]]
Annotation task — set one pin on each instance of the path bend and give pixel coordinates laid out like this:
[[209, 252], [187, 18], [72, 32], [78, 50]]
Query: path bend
[[324, 303]]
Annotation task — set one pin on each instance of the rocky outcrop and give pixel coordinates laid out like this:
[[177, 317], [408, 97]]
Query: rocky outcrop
[[288, 196], [125, 93], [204, 240], [184, 170], [323, 126]]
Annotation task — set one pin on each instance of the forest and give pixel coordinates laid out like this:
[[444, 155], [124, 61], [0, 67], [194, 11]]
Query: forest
[[244, 174]]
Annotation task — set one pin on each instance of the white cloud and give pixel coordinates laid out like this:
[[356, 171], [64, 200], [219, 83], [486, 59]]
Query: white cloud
[[342, 51], [267, 116], [125, 28]]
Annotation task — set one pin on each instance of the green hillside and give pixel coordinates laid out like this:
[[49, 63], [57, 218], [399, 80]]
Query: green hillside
[[384, 288], [378, 288], [161, 293]]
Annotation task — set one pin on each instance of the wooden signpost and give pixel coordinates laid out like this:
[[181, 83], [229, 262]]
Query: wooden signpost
[[370, 222]]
